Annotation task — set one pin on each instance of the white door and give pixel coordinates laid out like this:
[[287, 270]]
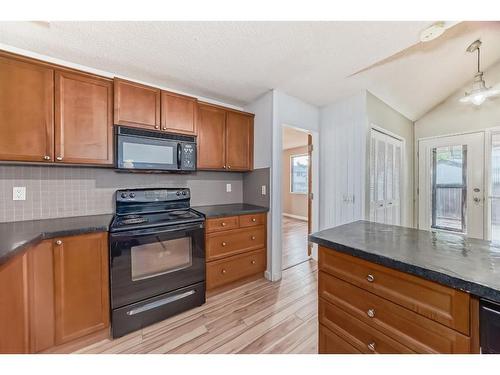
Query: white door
[[451, 184], [386, 155]]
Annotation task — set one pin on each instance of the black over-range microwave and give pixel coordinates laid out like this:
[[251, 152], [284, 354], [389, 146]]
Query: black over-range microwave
[[139, 149]]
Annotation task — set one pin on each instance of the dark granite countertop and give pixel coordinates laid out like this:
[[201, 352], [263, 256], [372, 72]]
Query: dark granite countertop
[[18, 235], [450, 259], [221, 210]]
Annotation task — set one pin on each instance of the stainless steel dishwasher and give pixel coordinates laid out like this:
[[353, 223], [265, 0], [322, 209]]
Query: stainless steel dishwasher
[[490, 327]]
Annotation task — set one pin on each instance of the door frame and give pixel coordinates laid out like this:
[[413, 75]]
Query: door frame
[[403, 186], [487, 133]]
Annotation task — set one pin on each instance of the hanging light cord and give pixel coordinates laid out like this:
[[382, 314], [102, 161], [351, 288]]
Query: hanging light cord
[[478, 59]]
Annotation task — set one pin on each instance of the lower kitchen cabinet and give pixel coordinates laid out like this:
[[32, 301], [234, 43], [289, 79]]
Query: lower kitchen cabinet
[[54, 293], [235, 248]]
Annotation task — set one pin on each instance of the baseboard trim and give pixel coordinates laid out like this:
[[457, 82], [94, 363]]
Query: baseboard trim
[[303, 218]]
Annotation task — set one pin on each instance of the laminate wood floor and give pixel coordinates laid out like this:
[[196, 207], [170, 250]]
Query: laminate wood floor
[[294, 239], [256, 317]]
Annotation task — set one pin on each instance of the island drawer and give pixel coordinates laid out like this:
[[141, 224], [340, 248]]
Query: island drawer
[[252, 220], [330, 343], [360, 335], [442, 304], [222, 223], [415, 331], [219, 245], [233, 268]]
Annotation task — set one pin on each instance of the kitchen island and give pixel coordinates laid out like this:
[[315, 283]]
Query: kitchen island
[[390, 289]]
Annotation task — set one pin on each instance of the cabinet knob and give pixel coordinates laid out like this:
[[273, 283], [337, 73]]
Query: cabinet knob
[[164, 128], [370, 278], [371, 346], [59, 158], [223, 271], [228, 167], [254, 219], [253, 237], [224, 244], [223, 224], [46, 157], [58, 242], [253, 262], [224, 167], [157, 127], [371, 313]]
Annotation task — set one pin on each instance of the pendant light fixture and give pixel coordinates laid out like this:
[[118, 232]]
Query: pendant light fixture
[[479, 92]]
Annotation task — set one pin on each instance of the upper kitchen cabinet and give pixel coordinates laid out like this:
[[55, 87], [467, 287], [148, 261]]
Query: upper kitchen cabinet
[[137, 105], [178, 113], [84, 119], [225, 139], [239, 141], [26, 110], [211, 137]]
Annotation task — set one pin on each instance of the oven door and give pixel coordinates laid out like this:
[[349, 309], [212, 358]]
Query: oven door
[[147, 153], [147, 262]]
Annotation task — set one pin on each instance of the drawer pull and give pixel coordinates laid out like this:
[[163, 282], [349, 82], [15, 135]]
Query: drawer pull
[[370, 278], [371, 313], [223, 271], [253, 238], [223, 224], [223, 243], [371, 346], [253, 262], [254, 219]]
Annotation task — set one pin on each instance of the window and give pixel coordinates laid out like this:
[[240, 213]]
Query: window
[[299, 171], [495, 188], [449, 187]]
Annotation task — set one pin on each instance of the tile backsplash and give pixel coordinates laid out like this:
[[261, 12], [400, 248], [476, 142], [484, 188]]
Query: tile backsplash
[[73, 191]]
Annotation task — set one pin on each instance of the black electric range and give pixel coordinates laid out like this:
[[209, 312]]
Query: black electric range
[[157, 257]]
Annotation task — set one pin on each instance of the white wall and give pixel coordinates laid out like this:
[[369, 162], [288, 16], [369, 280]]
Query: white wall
[[263, 129], [386, 117], [343, 129]]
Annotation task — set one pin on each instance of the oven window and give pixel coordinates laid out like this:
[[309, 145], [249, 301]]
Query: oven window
[[147, 153], [161, 257]]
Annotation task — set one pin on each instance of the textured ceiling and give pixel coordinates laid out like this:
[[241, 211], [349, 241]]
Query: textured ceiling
[[236, 62]]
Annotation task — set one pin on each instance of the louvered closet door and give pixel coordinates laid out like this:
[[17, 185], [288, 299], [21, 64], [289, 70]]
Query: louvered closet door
[[385, 178]]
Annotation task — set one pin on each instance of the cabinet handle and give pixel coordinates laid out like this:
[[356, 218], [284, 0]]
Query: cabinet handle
[[46, 157], [253, 262], [223, 224], [223, 271], [370, 278], [253, 238], [254, 219], [371, 313], [371, 346], [224, 244], [59, 158], [58, 242], [157, 127]]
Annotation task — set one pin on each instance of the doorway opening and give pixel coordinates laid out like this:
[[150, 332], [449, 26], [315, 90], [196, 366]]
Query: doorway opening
[[296, 196]]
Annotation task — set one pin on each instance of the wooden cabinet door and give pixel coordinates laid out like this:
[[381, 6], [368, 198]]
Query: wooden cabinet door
[[81, 285], [26, 111], [178, 113], [84, 122], [14, 323], [211, 129], [239, 141], [136, 105]]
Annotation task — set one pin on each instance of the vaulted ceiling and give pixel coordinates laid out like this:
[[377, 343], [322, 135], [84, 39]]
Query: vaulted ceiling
[[236, 62]]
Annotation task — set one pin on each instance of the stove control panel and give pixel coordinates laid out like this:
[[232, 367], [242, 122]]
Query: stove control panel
[[152, 195]]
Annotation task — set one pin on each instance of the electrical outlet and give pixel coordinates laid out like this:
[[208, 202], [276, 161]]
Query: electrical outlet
[[19, 193], [263, 190], [228, 188]]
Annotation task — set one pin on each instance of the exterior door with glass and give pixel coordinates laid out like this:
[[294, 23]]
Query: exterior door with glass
[[451, 184]]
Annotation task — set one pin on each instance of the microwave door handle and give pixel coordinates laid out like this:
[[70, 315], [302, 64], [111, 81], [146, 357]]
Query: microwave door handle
[[179, 155]]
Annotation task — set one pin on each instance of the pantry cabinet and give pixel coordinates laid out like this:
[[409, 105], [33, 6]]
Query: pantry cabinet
[[225, 139], [54, 293], [26, 110], [84, 119]]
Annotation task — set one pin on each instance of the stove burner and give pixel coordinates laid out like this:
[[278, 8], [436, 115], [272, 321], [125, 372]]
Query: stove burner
[[133, 219]]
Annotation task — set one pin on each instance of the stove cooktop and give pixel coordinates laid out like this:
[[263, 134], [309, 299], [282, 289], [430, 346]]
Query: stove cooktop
[[147, 220]]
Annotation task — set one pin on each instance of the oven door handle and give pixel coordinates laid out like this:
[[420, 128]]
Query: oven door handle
[[155, 231]]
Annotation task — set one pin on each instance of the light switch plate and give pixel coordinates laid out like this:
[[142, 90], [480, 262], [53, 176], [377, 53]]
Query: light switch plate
[[263, 190], [228, 188], [19, 193]]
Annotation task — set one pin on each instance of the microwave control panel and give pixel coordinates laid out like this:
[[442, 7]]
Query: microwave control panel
[[188, 156]]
